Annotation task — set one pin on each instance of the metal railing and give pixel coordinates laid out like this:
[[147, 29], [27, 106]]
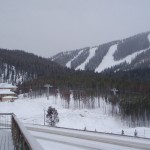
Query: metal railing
[[22, 139], [5, 120]]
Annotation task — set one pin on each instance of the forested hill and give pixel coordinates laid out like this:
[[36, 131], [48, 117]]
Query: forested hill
[[29, 70], [19, 66]]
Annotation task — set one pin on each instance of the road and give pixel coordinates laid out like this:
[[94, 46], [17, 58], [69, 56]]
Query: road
[[87, 140]]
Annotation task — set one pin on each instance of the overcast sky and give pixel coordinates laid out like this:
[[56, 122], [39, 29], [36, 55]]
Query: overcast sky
[[46, 27]]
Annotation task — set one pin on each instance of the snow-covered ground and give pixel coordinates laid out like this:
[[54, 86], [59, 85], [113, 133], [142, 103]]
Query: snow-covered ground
[[85, 140], [31, 111]]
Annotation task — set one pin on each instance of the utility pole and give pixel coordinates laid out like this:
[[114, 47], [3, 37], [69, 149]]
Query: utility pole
[[44, 116], [47, 86]]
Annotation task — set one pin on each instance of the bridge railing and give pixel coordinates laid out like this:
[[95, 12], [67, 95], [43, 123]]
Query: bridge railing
[[22, 139]]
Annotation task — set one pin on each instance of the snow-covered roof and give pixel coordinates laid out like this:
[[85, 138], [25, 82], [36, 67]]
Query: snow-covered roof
[[6, 85], [6, 91], [9, 97]]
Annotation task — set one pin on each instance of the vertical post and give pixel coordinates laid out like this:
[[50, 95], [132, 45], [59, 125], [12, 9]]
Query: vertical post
[[47, 86], [44, 116], [48, 92]]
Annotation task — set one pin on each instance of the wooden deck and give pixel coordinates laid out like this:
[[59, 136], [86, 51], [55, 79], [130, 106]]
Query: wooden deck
[[6, 142]]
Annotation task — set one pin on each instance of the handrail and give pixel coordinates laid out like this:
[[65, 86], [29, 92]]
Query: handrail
[[5, 120], [22, 138], [5, 113]]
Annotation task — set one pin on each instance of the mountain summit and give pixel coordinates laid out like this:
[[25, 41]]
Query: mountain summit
[[127, 54]]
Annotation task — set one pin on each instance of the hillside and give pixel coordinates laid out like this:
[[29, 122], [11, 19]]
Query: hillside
[[123, 64], [18, 66], [127, 54]]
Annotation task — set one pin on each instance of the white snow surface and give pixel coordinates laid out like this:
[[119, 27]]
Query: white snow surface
[[10, 97], [91, 54], [108, 60], [6, 91], [47, 145], [87, 140], [80, 142], [6, 85], [69, 62], [31, 111]]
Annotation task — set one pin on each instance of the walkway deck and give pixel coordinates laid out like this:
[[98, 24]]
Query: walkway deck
[[6, 142]]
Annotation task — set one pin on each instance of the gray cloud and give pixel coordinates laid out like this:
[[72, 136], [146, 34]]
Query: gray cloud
[[46, 27]]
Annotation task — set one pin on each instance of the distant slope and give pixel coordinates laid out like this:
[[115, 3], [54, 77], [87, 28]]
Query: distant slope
[[19, 66], [132, 52]]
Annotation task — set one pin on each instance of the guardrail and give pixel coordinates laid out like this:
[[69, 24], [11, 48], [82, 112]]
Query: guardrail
[[22, 139], [90, 131]]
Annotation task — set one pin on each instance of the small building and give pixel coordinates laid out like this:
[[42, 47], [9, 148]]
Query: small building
[[8, 86], [9, 98], [7, 92]]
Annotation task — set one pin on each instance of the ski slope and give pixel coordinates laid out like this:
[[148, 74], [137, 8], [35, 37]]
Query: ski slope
[[69, 62], [108, 60], [92, 53]]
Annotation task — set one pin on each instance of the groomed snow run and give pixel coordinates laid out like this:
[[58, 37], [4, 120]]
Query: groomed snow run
[[108, 60], [91, 54], [69, 62]]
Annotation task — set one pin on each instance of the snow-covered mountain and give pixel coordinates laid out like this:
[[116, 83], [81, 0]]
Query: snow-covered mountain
[[126, 54]]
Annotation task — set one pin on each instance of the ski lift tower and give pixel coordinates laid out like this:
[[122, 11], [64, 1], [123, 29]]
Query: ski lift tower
[[47, 86], [114, 90]]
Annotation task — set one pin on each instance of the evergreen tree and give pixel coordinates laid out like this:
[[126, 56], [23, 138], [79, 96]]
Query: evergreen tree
[[52, 116]]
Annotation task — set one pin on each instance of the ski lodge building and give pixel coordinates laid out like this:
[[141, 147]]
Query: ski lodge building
[[7, 92]]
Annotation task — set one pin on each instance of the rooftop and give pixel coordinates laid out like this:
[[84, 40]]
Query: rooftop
[[6, 86], [6, 91]]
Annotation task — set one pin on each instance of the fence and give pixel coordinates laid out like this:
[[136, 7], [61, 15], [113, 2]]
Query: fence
[[5, 120], [21, 137]]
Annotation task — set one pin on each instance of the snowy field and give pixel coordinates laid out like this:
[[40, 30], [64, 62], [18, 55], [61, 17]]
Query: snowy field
[[31, 111]]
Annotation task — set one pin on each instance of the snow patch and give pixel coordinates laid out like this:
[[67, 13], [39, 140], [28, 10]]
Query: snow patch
[[69, 62], [6, 86], [6, 91], [108, 60], [92, 53]]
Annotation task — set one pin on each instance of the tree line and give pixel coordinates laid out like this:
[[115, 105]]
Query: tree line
[[28, 70]]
